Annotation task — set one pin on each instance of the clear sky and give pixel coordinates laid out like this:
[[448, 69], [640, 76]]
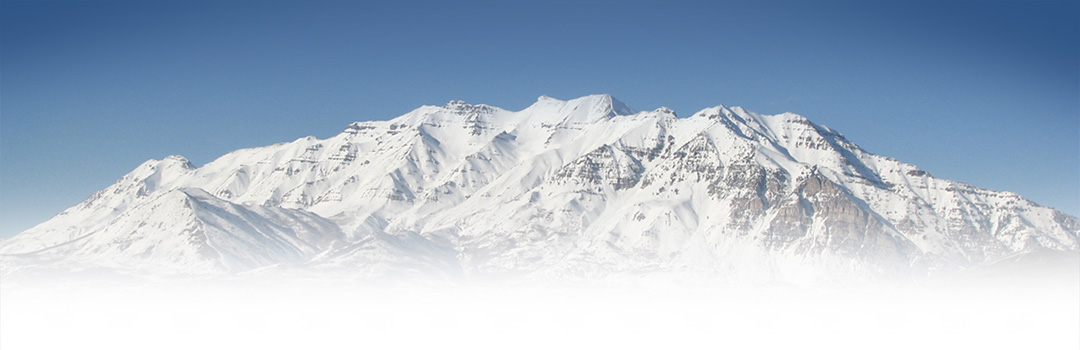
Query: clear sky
[[984, 92]]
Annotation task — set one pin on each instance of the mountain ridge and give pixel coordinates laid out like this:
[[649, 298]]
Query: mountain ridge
[[590, 186]]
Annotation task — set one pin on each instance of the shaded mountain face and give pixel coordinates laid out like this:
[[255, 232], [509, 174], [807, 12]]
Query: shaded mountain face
[[586, 187]]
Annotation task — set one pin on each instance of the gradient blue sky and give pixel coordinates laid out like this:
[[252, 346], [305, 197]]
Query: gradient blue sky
[[984, 92]]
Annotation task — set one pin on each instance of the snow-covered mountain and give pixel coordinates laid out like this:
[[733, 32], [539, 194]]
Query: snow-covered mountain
[[587, 187]]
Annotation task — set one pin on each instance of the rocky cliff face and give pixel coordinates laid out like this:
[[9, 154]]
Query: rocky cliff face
[[586, 187]]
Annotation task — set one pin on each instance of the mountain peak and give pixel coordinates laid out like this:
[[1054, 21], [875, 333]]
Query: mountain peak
[[665, 110], [598, 104], [608, 102], [169, 162], [456, 103], [177, 158]]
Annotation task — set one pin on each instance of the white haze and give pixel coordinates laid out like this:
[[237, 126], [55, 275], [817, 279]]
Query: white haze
[[1023, 314]]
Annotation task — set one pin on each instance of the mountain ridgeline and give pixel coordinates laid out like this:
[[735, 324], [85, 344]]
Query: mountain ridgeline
[[585, 188]]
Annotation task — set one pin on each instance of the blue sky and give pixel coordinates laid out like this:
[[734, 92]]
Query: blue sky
[[984, 92]]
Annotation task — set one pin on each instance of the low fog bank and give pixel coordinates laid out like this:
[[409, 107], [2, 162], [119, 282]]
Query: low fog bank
[[1020, 304]]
